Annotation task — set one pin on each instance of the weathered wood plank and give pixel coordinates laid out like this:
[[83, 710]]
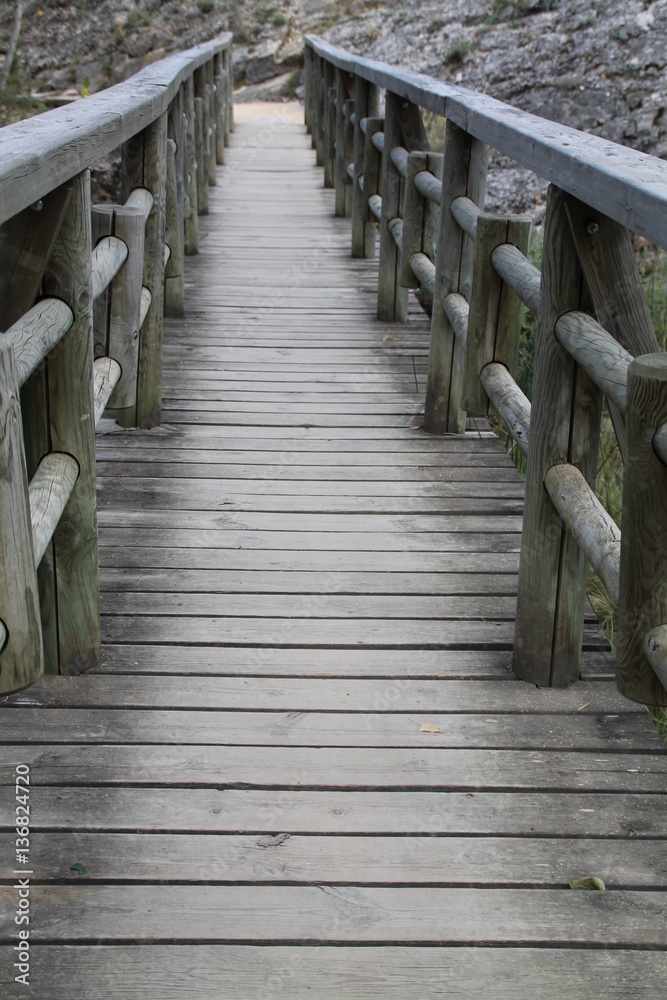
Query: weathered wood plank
[[342, 768], [332, 694], [516, 863], [495, 731], [169, 972]]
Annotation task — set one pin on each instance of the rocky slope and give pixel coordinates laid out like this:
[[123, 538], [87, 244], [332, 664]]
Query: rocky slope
[[599, 65]]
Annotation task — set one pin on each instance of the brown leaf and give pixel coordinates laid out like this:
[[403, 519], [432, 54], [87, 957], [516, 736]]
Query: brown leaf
[[428, 727]]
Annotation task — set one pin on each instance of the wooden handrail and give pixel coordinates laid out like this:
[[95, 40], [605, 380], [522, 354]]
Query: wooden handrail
[[41, 153], [476, 278], [103, 274], [628, 186]]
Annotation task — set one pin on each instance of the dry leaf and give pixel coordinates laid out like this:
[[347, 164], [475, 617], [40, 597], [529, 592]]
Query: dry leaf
[[417, 427], [428, 727], [588, 883], [581, 708], [388, 337]]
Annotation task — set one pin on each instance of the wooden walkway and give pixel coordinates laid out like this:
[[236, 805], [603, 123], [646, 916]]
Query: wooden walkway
[[303, 768]]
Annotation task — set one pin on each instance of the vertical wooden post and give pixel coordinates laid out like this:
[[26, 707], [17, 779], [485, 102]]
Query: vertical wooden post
[[26, 241], [419, 221], [308, 87], [464, 173], [494, 320], [202, 162], [211, 127], [402, 126], [220, 113], [230, 89], [340, 166], [392, 301], [348, 153], [642, 601], [101, 226], [125, 307], [612, 275], [321, 98], [564, 427], [329, 132], [21, 655], [174, 286], [72, 430], [363, 231], [149, 380], [191, 227], [37, 442]]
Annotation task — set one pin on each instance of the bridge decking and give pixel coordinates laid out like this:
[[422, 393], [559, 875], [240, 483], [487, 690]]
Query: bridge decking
[[304, 730]]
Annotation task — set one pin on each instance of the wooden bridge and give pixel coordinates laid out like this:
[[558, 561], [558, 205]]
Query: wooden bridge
[[304, 764]]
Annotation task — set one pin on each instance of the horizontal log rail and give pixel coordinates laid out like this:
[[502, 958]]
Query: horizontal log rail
[[107, 259], [107, 274], [436, 236], [48, 493]]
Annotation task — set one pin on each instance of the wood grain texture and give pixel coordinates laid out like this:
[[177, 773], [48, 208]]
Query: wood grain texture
[[39, 155], [464, 174], [564, 428], [643, 590], [168, 972], [21, 657], [72, 430], [623, 183], [306, 690]]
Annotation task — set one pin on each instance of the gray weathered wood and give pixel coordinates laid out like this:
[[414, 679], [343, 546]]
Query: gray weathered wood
[[363, 232], [108, 257], [36, 334], [191, 224], [464, 174], [494, 320], [621, 182], [124, 305], [72, 430], [419, 222], [392, 298], [340, 160], [589, 523], [150, 173], [598, 353], [519, 273], [643, 589], [21, 655], [202, 163], [106, 373], [174, 287], [26, 242], [56, 147], [509, 401], [49, 490], [655, 651], [564, 428]]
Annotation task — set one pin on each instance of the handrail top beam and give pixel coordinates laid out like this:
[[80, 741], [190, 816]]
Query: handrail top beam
[[623, 183], [41, 153]]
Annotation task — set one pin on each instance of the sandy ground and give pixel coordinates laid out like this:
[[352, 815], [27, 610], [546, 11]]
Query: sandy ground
[[290, 111]]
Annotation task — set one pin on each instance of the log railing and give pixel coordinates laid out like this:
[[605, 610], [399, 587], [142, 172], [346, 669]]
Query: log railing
[[83, 293], [595, 335]]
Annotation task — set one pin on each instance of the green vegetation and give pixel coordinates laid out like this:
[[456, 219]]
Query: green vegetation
[[458, 53], [138, 17], [206, 6], [290, 85], [265, 15], [436, 25], [15, 103]]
